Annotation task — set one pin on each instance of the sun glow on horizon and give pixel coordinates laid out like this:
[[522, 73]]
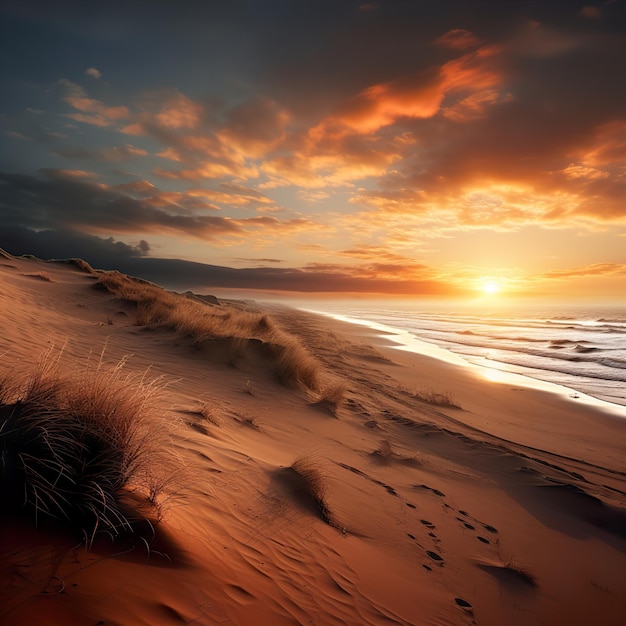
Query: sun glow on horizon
[[490, 287]]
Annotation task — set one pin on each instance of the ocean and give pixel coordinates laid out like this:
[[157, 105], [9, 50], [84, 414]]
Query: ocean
[[582, 349]]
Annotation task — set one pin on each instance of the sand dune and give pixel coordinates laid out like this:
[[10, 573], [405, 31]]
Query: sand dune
[[315, 475]]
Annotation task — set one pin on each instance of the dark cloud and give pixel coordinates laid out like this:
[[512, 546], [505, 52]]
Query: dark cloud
[[100, 252], [106, 253], [52, 201], [180, 274]]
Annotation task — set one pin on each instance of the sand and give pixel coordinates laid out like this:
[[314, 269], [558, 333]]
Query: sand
[[508, 510]]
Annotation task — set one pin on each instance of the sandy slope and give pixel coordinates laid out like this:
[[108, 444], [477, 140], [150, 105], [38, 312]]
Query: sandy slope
[[432, 508]]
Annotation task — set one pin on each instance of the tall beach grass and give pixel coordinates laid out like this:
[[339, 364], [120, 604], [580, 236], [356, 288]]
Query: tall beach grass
[[75, 444]]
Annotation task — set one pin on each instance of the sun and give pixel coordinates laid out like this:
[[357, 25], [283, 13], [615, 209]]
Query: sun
[[490, 287]]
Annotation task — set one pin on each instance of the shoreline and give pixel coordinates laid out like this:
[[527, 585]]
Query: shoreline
[[406, 340]]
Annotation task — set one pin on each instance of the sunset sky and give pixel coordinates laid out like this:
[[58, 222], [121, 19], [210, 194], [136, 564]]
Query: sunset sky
[[401, 147]]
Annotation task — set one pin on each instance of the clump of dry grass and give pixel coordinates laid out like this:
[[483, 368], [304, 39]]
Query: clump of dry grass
[[434, 397], [295, 366], [204, 323], [385, 455], [210, 414], [309, 487], [330, 396], [521, 571], [80, 264], [73, 445], [41, 276]]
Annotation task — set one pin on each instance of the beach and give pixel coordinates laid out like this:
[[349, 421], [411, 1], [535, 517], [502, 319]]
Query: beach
[[315, 475]]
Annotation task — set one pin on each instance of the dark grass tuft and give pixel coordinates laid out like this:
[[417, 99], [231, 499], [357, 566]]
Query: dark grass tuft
[[73, 446], [79, 264], [308, 487]]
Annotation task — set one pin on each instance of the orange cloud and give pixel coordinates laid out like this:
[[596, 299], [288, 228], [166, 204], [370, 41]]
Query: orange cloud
[[417, 96], [210, 170], [91, 111], [474, 71], [458, 39], [474, 106], [70, 174], [255, 126], [170, 154], [597, 269], [591, 12], [178, 111], [608, 146], [234, 196], [121, 153]]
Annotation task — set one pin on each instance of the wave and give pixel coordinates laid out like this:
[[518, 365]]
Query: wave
[[473, 333], [585, 350], [586, 327], [559, 350], [545, 367]]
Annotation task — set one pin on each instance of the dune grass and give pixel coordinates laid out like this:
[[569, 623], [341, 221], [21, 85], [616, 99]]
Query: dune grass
[[203, 323], [523, 572], [309, 487], [434, 397], [72, 445], [79, 264], [330, 396], [41, 276]]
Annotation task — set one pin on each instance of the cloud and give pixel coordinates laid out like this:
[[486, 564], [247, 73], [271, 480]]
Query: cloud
[[200, 277], [458, 39], [63, 174], [93, 72], [232, 195], [60, 200], [255, 126], [177, 111], [105, 253], [92, 111], [52, 201], [596, 269], [120, 153], [418, 95], [591, 12], [258, 260]]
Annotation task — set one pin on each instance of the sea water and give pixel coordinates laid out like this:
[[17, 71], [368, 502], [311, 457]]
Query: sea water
[[580, 348]]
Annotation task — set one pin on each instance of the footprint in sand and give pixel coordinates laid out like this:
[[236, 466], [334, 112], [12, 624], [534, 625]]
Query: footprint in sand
[[463, 603], [487, 527], [411, 506], [427, 523], [434, 556], [441, 494], [482, 539]]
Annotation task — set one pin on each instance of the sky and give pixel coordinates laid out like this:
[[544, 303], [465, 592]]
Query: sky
[[398, 147]]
